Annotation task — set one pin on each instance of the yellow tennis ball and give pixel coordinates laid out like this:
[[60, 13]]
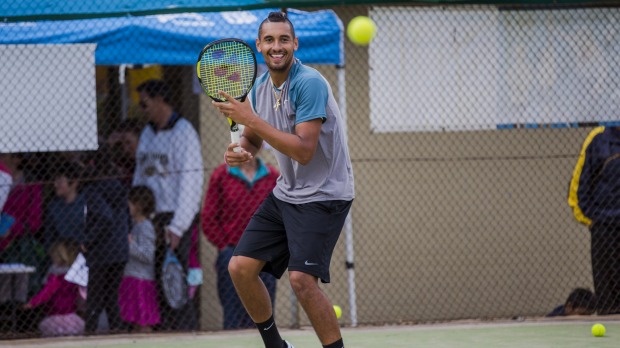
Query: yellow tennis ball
[[361, 30], [598, 330], [338, 311]]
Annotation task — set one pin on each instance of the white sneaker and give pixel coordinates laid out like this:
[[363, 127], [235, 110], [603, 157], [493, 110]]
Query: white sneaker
[[288, 345]]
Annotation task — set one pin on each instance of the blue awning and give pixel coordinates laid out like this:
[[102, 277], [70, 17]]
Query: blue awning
[[176, 39]]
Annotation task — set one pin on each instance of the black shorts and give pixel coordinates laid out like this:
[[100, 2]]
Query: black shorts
[[300, 237]]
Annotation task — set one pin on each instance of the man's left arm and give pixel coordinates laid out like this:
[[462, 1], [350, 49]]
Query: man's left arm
[[191, 172]]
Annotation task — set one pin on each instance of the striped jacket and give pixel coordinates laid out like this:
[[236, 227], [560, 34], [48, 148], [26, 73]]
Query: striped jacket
[[594, 193]]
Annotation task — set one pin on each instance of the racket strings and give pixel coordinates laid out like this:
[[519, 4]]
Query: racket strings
[[228, 67]]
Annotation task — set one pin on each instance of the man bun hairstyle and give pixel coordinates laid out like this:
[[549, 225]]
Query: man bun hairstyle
[[276, 17]]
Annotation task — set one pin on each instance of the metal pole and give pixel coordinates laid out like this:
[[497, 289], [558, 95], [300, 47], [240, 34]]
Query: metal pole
[[122, 70], [348, 226]]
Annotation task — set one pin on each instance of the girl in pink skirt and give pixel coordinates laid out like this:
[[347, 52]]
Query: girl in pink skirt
[[138, 290]]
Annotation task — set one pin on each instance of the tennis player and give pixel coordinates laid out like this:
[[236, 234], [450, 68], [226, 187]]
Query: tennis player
[[292, 108]]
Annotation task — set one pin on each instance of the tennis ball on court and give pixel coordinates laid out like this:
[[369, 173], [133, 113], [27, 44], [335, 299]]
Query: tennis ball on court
[[361, 30], [598, 330], [338, 311]]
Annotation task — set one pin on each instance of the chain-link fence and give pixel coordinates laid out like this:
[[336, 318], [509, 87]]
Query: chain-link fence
[[465, 126]]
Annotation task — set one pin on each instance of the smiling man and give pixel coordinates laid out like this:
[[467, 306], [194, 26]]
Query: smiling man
[[292, 108]]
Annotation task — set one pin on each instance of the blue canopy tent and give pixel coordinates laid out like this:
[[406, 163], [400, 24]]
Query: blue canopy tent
[[22, 10], [176, 39]]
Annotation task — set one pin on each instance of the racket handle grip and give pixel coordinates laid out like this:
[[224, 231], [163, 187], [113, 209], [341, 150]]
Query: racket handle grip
[[235, 136]]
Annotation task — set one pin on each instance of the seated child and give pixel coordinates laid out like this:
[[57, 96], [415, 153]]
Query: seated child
[[59, 296], [579, 302]]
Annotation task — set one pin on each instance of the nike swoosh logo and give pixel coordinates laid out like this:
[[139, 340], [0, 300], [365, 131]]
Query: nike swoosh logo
[[269, 327], [310, 263]]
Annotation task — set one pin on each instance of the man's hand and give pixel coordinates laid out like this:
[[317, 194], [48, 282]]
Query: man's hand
[[240, 112], [173, 239], [235, 159]]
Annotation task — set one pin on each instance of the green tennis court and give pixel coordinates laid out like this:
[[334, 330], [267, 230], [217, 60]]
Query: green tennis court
[[530, 334]]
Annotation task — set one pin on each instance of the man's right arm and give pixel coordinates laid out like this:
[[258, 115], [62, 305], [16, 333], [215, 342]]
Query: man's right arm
[[299, 145]]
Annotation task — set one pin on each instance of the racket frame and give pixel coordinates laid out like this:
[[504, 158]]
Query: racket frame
[[235, 132]]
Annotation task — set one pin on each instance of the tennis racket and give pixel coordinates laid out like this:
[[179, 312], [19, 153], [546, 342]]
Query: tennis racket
[[174, 281], [227, 65]]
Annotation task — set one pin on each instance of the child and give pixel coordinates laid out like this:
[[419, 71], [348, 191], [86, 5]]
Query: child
[[59, 295], [580, 301], [138, 290], [65, 215]]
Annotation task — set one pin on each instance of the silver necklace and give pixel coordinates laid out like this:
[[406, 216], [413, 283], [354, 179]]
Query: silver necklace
[[277, 95]]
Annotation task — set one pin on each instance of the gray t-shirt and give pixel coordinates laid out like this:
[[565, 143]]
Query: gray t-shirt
[[305, 96]]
